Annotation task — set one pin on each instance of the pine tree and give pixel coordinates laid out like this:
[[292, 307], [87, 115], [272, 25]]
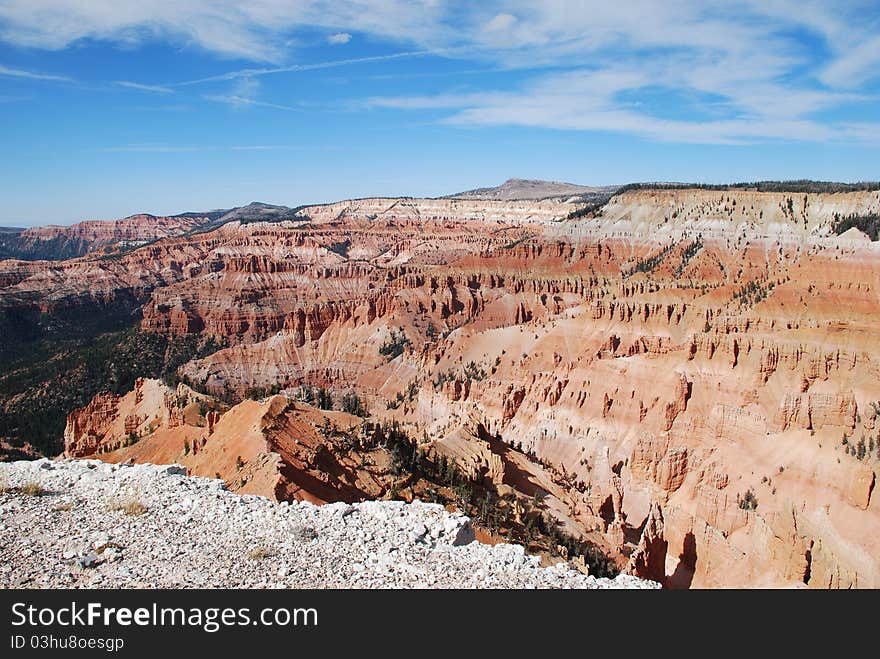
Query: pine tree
[[325, 400]]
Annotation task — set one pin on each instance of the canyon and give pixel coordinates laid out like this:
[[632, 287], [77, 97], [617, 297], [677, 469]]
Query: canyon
[[687, 379]]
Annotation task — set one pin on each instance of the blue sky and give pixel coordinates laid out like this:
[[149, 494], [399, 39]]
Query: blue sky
[[109, 108]]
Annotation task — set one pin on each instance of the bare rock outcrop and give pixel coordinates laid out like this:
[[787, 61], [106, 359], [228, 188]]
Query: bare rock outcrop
[[679, 401], [708, 350], [648, 561], [192, 533]]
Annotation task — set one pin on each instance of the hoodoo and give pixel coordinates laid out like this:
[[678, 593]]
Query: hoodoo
[[682, 381]]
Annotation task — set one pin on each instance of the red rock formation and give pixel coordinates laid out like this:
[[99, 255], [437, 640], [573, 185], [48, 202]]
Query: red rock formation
[[655, 461], [675, 349], [87, 428], [679, 401], [64, 242], [277, 448], [649, 558], [513, 399], [861, 487], [813, 411]]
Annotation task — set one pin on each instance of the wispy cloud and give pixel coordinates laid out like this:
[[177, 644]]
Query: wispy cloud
[[157, 89], [683, 70], [252, 73], [258, 31], [244, 94], [32, 75], [590, 100], [854, 66], [241, 102], [339, 38], [679, 72]]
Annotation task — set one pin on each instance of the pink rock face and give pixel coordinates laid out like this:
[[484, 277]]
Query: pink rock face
[[276, 448], [110, 422], [52, 242], [811, 411], [678, 404], [136, 227], [649, 558], [658, 462], [87, 429], [680, 370], [861, 487]]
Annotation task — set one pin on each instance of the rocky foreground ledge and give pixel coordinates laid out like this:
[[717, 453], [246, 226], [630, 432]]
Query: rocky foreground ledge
[[86, 523]]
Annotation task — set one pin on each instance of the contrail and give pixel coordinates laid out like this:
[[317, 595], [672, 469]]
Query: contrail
[[249, 73]]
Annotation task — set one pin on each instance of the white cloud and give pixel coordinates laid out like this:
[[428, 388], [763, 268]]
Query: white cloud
[[862, 131], [31, 75], [535, 33], [502, 31], [735, 70], [159, 89], [257, 30], [588, 100], [339, 38], [501, 22], [729, 72], [244, 95], [246, 88], [854, 66]]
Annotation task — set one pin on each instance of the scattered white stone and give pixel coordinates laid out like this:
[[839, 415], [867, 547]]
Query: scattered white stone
[[196, 534]]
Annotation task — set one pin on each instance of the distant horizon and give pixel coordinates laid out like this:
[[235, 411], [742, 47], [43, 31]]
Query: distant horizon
[[110, 109], [173, 213]]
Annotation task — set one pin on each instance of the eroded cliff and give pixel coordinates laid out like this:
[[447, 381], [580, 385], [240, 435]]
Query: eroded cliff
[[689, 378]]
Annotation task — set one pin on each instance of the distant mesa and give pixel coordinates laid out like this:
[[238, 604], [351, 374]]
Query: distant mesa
[[257, 212], [532, 189]]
